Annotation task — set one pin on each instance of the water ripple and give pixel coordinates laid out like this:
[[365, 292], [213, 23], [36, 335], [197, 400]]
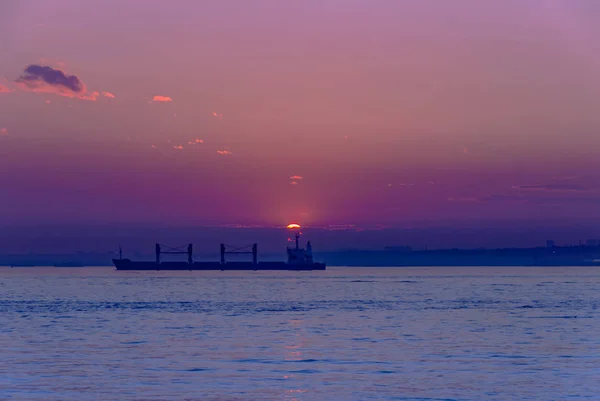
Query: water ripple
[[431, 334]]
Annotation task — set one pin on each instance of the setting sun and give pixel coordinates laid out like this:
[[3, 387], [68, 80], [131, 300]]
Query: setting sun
[[293, 225]]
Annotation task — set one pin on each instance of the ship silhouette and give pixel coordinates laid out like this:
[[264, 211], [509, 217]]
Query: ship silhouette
[[298, 259]]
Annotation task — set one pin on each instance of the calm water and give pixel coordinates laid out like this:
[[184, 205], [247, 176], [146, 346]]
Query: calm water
[[344, 334]]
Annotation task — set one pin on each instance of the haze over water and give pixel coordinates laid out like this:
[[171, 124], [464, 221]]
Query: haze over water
[[468, 334]]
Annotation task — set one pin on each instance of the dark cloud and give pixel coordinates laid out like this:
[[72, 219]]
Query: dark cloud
[[538, 199], [565, 178], [44, 79], [552, 187], [503, 198], [38, 73]]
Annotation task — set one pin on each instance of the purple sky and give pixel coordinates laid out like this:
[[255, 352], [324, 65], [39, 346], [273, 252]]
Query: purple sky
[[320, 112]]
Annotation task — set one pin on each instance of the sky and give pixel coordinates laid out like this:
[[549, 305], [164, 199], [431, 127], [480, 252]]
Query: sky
[[321, 112]]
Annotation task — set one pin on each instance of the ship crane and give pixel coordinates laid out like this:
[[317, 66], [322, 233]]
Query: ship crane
[[178, 250], [239, 250]]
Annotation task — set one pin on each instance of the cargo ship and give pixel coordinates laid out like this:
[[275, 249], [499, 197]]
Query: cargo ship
[[298, 259]]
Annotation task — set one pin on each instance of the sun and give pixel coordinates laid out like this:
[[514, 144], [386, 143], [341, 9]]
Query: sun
[[293, 225]]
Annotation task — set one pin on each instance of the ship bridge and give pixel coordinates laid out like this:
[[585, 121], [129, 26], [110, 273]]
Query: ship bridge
[[300, 256]]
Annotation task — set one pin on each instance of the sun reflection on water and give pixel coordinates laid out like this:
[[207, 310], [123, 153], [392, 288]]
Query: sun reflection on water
[[293, 353]]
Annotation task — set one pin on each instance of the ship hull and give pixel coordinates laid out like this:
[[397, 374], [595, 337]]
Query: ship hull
[[126, 264]]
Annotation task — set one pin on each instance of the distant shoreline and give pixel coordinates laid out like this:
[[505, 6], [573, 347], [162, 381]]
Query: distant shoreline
[[577, 255]]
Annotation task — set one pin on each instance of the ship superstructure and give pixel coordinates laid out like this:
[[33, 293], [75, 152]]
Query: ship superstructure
[[300, 256]]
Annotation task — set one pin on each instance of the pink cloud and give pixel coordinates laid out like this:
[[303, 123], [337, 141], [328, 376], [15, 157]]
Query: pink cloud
[[108, 94], [224, 152], [161, 99], [91, 96], [3, 131]]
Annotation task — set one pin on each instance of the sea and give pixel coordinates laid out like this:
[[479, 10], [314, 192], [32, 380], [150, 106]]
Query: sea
[[426, 334]]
